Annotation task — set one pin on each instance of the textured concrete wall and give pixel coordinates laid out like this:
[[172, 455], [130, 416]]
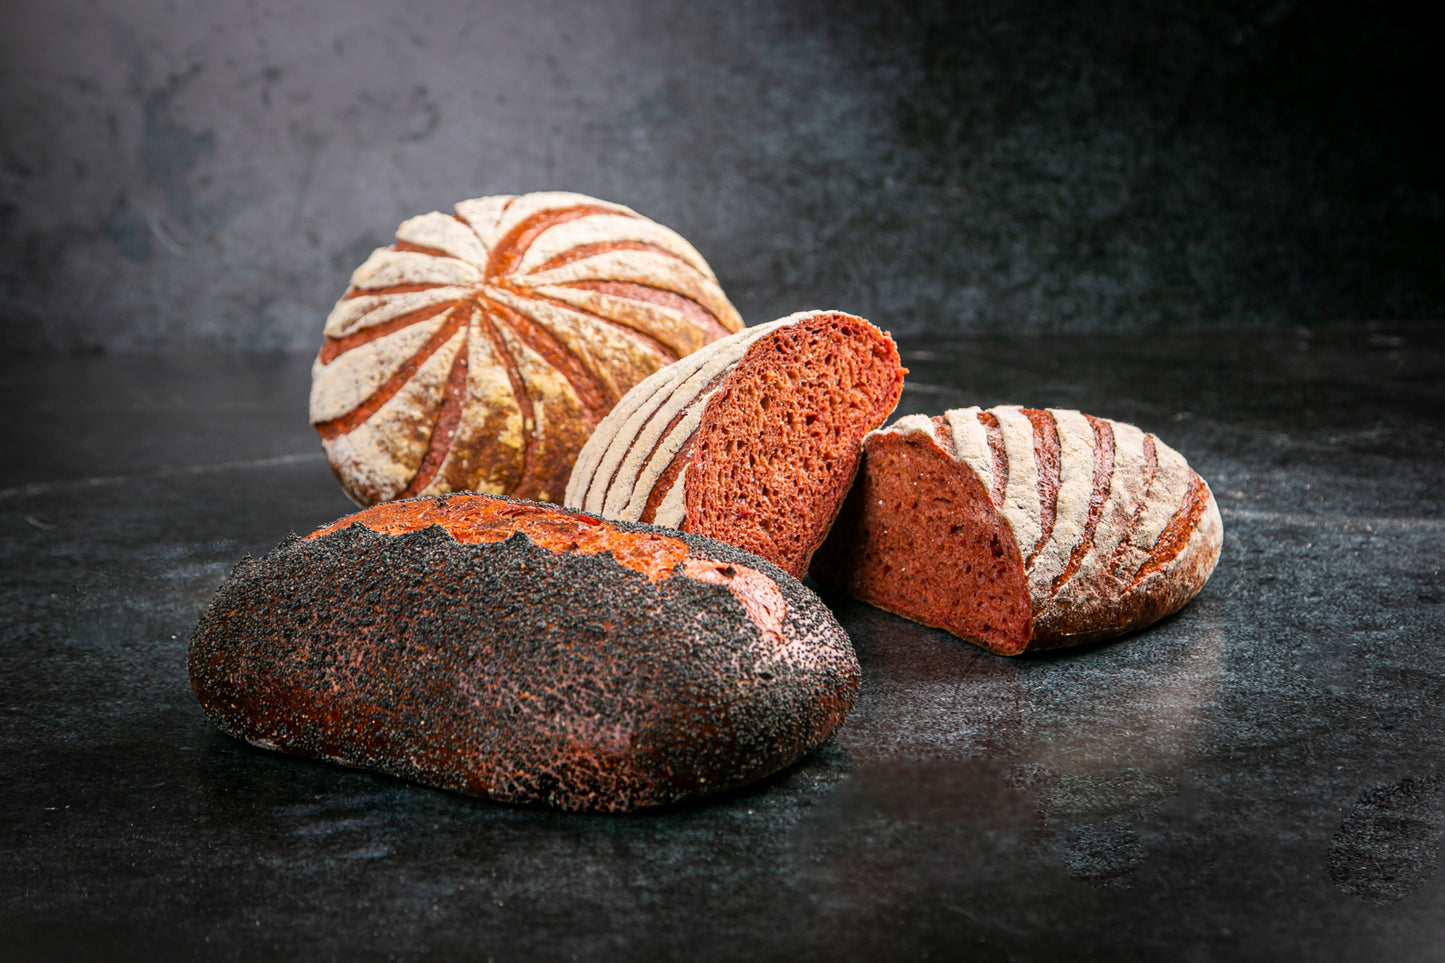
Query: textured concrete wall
[[192, 175]]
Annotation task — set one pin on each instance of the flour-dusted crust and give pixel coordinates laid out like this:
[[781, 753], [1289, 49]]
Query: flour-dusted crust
[[525, 653], [479, 351], [753, 440], [1022, 529]]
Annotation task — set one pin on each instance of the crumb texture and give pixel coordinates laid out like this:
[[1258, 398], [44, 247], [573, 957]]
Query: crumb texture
[[1105, 528], [920, 538], [754, 440], [480, 350], [524, 653]]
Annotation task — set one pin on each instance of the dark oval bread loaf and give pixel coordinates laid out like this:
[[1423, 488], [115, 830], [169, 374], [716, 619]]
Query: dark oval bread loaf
[[1022, 529], [479, 351], [753, 440], [526, 653]]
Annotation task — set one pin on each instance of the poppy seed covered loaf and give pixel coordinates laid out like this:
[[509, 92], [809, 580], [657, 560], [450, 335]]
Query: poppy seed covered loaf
[[1022, 529], [479, 351], [525, 653], [753, 440]]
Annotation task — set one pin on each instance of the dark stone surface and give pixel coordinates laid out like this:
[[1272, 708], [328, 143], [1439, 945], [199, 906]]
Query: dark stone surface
[[208, 175], [1258, 777]]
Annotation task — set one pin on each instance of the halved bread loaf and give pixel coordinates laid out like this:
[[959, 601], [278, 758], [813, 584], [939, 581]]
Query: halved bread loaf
[[753, 440], [1021, 528], [525, 653]]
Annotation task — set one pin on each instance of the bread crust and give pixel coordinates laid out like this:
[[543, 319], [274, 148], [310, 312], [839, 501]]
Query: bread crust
[[524, 653], [1111, 530], [480, 349]]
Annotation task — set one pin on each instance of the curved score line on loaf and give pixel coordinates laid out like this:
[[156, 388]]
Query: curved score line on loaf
[[1176, 536], [334, 348], [942, 437], [414, 248], [1151, 469], [508, 252], [519, 391], [998, 456], [373, 403], [411, 287], [448, 419], [1046, 463], [665, 482], [1103, 479], [583, 251]]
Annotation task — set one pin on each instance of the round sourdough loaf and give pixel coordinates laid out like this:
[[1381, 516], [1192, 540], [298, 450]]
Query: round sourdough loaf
[[753, 440], [479, 351], [1023, 528], [525, 653]]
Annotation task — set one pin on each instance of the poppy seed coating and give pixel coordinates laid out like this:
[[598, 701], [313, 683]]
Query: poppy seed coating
[[522, 673]]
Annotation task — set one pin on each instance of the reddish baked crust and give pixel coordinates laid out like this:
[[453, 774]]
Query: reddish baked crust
[[521, 672]]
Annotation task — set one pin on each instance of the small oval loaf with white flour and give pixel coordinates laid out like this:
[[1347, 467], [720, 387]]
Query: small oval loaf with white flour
[[525, 653], [1021, 528], [753, 440], [479, 351]]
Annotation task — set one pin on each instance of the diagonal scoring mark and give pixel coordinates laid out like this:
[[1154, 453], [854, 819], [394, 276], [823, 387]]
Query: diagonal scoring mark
[[400, 379], [1103, 480], [449, 417]]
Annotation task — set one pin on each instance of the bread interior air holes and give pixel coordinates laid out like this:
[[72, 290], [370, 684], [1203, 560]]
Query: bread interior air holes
[[780, 437], [930, 545]]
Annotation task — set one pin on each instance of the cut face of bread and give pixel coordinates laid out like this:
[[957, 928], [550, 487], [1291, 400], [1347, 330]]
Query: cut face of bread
[[1023, 529], [753, 440], [479, 351]]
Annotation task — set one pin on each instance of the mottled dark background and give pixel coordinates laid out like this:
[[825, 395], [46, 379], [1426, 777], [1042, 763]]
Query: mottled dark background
[[185, 175]]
